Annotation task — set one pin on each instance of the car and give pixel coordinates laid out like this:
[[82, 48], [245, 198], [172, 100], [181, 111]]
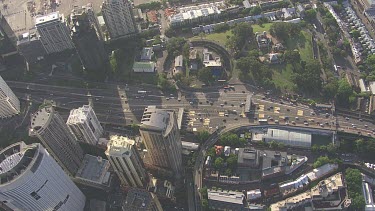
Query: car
[[287, 109], [200, 103], [232, 105], [293, 122], [366, 125], [191, 102], [226, 115], [236, 118], [297, 118], [221, 105], [243, 92], [271, 107], [225, 102], [306, 123], [211, 103], [321, 125], [179, 99], [224, 120], [207, 101], [347, 118], [277, 121], [167, 98], [361, 120], [312, 113]]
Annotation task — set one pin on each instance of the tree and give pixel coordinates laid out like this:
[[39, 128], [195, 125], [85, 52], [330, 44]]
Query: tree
[[370, 62], [205, 205], [292, 56], [218, 164], [186, 50], [257, 10], [344, 91], [279, 30], [232, 161], [175, 45], [331, 148], [307, 76], [310, 15], [241, 33], [353, 179], [273, 144], [205, 75], [203, 135], [355, 33], [330, 89], [221, 28], [211, 152], [315, 148], [322, 160]]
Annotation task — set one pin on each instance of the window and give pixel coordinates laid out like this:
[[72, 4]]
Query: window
[[35, 195]]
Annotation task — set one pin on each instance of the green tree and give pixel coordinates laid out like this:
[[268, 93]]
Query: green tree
[[175, 45], [257, 10], [292, 56], [273, 144], [310, 15], [219, 162], [307, 77], [344, 91], [370, 62], [221, 28], [186, 50], [232, 161], [355, 33], [330, 89], [211, 152], [322, 160], [203, 135], [205, 75], [205, 205]]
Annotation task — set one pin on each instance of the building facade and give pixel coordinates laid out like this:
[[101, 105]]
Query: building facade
[[141, 200], [9, 103], [49, 127], [54, 33], [161, 136], [32, 180], [7, 37], [118, 17], [126, 162], [84, 125], [87, 38]]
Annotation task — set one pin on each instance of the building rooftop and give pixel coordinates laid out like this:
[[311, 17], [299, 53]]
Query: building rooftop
[[119, 146], [328, 186], [138, 200], [157, 119], [78, 115], [228, 197], [189, 145], [143, 65], [40, 118], [193, 12], [277, 134], [178, 61], [47, 18], [146, 54], [247, 156], [94, 169], [15, 159]]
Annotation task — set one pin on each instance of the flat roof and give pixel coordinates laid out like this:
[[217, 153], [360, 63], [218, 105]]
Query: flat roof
[[40, 118], [119, 146], [228, 197], [279, 134], [157, 119], [46, 18], [138, 199], [94, 169], [78, 115], [144, 65]]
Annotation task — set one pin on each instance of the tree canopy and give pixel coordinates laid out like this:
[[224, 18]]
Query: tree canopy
[[284, 30], [344, 91], [205, 75], [232, 140], [353, 180], [175, 45]]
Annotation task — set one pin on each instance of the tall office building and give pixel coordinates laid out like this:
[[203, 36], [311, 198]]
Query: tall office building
[[161, 137], [84, 124], [86, 36], [50, 128], [32, 180], [8, 38], [125, 160], [118, 17], [54, 33], [141, 200], [9, 103]]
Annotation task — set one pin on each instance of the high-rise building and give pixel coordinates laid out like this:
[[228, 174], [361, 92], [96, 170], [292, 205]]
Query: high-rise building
[[118, 17], [54, 33], [141, 200], [161, 137], [7, 38], [84, 124], [125, 160], [9, 103], [87, 38], [50, 128], [32, 180]]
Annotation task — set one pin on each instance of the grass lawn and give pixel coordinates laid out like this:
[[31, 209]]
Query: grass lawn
[[303, 44], [282, 76], [265, 27], [218, 37]]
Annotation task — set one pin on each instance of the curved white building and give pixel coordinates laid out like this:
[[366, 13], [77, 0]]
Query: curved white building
[[31, 180]]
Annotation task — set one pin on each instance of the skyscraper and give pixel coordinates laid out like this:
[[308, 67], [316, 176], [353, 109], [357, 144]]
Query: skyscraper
[[50, 128], [86, 36], [9, 103], [32, 180], [141, 200], [84, 124], [118, 17], [125, 160], [161, 137], [7, 37], [54, 32]]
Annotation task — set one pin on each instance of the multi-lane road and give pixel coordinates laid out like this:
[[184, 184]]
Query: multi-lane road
[[122, 105]]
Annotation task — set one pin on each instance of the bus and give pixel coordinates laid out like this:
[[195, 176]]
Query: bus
[[263, 121]]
